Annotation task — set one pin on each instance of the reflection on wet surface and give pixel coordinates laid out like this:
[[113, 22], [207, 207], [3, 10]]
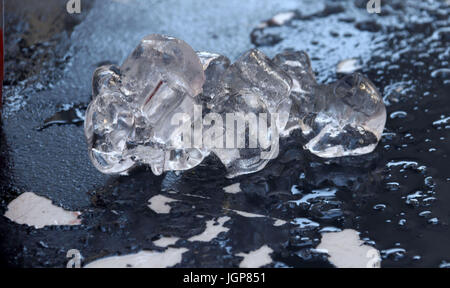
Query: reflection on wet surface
[[69, 114], [395, 198]]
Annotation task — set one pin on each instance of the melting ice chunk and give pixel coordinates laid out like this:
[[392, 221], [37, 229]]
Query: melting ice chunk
[[345, 118], [214, 66], [129, 120], [252, 92], [244, 108]]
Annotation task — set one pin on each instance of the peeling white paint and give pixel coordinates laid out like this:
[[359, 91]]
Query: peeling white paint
[[143, 259], [37, 211], [247, 214], [233, 188], [165, 241], [347, 250], [212, 230], [159, 204], [257, 258], [278, 222]]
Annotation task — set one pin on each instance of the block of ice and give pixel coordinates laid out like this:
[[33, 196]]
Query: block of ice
[[164, 88], [298, 66], [214, 66], [253, 95], [345, 118], [129, 120]]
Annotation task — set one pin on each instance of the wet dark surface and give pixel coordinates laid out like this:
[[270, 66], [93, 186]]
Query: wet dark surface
[[397, 197]]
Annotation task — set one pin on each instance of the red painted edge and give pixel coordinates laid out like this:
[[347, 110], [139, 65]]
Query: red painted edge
[[1, 68]]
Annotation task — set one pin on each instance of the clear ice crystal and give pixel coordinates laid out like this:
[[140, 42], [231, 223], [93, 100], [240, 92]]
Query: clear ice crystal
[[298, 66], [214, 66], [345, 118], [129, 119], [256, 88]]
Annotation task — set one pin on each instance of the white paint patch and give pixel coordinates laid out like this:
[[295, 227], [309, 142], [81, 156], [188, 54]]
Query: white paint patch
[[165, 241], [233, 189], [257, 258], [247, 214], [159, 204], [278, 222], [37, 211], [143, 259], [212, 230], [346, 250], [348, 66]]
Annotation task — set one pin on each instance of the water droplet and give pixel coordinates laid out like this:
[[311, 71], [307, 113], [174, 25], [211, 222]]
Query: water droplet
[[379, 207], [398, 114]]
